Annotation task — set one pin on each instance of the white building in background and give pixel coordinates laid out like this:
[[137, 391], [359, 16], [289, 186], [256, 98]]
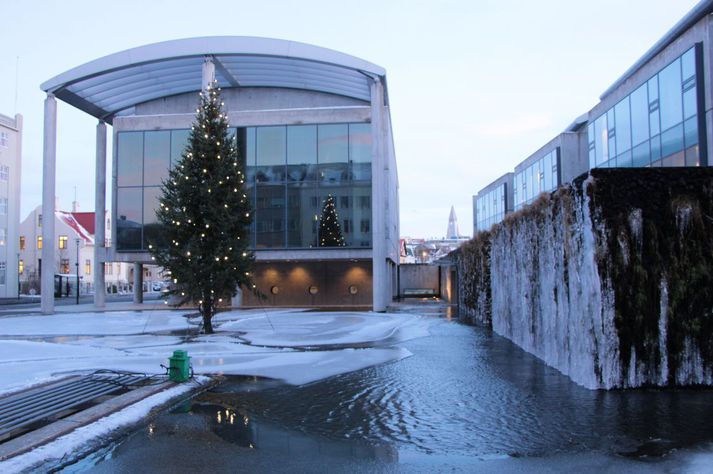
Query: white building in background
[[74, 254], [10, 164]]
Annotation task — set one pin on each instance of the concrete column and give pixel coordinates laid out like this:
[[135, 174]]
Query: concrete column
[[48, 203], [99, 218], [380, 279], [138, 283], [208, 72]]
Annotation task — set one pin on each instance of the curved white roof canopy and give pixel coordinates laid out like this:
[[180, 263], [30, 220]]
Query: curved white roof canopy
[[108, 85]]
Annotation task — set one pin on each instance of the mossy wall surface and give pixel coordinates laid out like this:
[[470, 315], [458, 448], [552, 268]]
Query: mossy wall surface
[[609, 280]]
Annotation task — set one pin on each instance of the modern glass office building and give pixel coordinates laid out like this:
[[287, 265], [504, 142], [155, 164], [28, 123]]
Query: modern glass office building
[[308, 122], [657, 124], [658, 113], [532, 179], [492, 204]]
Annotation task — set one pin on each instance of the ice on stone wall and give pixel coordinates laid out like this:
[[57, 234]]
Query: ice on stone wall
[[556, 268]]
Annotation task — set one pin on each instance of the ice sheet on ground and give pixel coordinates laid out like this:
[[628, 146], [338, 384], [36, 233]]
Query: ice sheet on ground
[[327, 328], [129, 346]]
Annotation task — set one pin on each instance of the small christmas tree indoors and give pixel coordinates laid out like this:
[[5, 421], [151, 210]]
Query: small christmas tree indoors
[[330, 233], [204, 216]]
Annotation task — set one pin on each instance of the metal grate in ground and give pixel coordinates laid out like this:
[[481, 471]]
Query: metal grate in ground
[[23, 411]]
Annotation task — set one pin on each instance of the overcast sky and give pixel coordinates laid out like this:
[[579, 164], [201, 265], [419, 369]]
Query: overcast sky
[[475, 86]]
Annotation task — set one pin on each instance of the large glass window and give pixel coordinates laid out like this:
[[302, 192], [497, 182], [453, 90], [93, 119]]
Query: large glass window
[[157, 157], [491, 207], [129, 218], [271, 150], [360, 151], [333, 149], [130, 162], [656, 125], [289, 172], [302, 153], [541, 176]]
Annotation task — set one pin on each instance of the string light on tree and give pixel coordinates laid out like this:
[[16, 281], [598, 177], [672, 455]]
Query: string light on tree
[[330, 232], [209, 255]]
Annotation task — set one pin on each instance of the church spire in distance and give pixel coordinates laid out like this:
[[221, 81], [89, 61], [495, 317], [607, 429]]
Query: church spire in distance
[[452, 232]]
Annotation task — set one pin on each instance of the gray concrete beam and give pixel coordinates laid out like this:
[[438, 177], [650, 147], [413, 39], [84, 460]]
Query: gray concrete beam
[[381, 279], [208, 73], [99, 218], [49, 163]]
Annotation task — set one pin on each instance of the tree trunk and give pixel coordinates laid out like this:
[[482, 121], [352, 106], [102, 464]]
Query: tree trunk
[[207, 312]]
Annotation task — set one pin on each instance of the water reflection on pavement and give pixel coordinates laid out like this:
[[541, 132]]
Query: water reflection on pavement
[[466, 401]]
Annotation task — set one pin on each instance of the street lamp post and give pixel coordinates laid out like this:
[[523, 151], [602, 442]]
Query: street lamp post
[[18, 276], [77, 266]]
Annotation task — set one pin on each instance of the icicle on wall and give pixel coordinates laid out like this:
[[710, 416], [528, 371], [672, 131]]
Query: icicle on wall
[[596, 279]]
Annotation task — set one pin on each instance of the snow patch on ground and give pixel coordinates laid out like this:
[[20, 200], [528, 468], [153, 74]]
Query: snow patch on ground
[[34, 349]]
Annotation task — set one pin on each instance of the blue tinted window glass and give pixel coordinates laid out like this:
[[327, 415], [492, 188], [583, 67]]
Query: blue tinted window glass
[[654, 123], [130, 158], [556, 166], [179, 140], [302, 210], [623, 126], [641, 155], [250, 168], [360, 150], [624, 160], [128, 218], [688, 64], [672, 140], [157, 156], [548, 171], [692, 158], [302, 153], [611, 146], [333, 153], [600, 139], [690, 127], [639, 115], [361, 197], [271, 146], [655, 149], [653, 86], [151, 225], [670, 95], [690, 103], [270, 215]]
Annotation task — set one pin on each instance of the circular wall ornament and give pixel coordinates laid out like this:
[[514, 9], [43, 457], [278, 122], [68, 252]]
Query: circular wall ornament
[[313, 290], [275, 290], [353, 290]]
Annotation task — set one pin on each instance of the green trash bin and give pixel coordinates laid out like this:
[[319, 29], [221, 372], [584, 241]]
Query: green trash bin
[[179, 367]]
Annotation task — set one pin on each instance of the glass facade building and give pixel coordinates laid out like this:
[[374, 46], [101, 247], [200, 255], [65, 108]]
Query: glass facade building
[[491, 207], [543, 175], [658, 124], [291, 169]]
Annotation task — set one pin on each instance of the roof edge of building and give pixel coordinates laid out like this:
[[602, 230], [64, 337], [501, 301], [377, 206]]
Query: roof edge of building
[[694, 16]]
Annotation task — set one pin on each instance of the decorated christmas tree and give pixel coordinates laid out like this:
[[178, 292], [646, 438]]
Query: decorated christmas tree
[[204, 216], [330, 233]]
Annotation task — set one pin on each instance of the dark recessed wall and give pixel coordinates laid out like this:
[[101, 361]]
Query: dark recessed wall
[[293, 280]]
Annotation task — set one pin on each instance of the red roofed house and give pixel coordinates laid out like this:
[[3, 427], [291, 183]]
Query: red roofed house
[[72, 230]]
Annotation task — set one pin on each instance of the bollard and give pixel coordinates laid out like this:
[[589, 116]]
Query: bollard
[[179, 367]]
